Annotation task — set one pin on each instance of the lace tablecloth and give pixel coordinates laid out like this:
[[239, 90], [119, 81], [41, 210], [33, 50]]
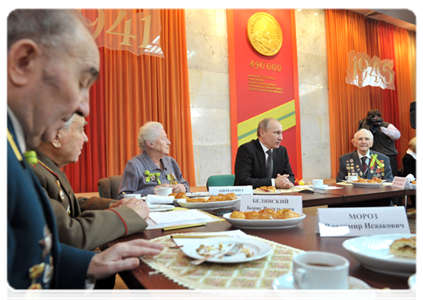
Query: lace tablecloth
[[258, 274]]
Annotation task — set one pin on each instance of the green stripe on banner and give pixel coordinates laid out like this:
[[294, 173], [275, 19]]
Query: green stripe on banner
[[284, 113]]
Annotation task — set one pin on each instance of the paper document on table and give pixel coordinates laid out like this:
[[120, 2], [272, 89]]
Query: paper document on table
[[179, 217]]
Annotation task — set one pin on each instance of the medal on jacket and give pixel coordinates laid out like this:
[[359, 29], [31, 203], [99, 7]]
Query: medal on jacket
[[46, 243], [48, 271], [61, 193], [34, 273], [172, 179]]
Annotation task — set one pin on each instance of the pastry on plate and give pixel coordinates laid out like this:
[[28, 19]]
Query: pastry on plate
[[405, 247], [267, 189]]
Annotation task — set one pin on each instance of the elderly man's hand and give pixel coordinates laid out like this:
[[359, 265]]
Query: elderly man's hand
[[282, 182], [137, 205], [178, 188], [121, 257], [120, 203], [140, 207]]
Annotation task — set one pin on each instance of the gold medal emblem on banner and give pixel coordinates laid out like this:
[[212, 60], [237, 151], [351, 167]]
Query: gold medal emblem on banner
[[264, 34]]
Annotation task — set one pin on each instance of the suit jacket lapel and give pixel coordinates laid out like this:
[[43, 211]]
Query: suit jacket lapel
[[261, 158], [12, 131], [357, 164]]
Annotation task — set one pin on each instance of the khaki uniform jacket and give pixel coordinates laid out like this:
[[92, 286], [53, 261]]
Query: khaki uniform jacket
[[91, 228]]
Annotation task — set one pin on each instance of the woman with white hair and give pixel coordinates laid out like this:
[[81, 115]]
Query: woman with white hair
[[152, 168]]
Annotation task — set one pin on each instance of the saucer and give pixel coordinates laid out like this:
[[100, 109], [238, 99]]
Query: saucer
[[358, 290], [321, 187], [414, 283]]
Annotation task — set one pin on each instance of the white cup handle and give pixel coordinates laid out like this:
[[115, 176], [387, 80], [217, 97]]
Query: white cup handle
[[299, 275]]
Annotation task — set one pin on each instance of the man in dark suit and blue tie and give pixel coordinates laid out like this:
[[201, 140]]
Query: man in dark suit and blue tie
[[264, 162], [52, 61]]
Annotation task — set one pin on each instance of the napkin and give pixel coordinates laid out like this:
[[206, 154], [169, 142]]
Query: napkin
[[153, 199]]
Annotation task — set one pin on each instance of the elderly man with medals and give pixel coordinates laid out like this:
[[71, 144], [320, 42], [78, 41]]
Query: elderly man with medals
[[85, 223], [364, 162], [152, 168]]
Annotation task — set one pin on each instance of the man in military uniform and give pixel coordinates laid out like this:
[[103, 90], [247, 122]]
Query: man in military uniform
[[91, 228], [52, 61]]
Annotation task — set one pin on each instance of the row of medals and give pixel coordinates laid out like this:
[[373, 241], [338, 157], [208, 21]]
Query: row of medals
[[47, 269], [351, 170]]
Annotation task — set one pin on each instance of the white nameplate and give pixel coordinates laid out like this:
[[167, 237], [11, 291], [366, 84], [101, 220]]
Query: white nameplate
[[362, 221], [259, 202], [401, 183], [237, 190]]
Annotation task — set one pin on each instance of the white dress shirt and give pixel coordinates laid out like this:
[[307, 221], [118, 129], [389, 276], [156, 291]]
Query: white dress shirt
[[265, 159]]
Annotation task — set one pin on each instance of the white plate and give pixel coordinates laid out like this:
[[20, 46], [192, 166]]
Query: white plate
[[258, 248], [414, 283], [259, 192], [216, 204], [358, 290], [264, 224], [198, 194], [322, 187], [160, 207], [373, 253], [367, 185]]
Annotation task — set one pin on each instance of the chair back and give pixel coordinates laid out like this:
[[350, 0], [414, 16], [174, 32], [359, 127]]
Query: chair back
[[109, 187], [221, 180]]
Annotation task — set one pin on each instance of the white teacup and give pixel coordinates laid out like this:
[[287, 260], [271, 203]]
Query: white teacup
[[318, 182], [164, 191], [320, 270], [130, 196], [351, 178]]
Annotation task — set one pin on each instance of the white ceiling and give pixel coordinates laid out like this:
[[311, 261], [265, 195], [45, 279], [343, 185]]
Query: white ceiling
[[400, 17]]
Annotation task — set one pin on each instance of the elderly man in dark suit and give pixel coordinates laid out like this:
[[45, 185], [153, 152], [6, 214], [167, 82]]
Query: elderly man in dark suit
[[264, 162], [52, 60], [364, 162]]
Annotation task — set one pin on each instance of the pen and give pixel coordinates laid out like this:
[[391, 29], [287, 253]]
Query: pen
[[183, 226], [194, 236]]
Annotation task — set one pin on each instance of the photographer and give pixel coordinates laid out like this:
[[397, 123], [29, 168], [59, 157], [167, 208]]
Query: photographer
[[385, 135]]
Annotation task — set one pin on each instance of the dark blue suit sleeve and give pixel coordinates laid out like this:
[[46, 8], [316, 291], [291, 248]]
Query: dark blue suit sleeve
[[388, 171], [342, 171], [72, 273]]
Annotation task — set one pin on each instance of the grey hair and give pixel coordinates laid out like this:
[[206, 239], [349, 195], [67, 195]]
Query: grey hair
[[49, 28], [264, 124], [366, 131], [69, 122], [150, 131]]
